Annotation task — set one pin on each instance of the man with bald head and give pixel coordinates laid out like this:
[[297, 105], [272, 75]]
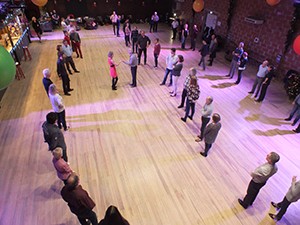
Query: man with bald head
[[79, 201]]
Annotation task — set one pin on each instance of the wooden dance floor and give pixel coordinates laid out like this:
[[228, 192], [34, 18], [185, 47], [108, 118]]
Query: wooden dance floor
[[130, 147]]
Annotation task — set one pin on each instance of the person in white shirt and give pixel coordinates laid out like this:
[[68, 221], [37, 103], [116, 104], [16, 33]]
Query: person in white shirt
[[114, 20], [67, 50], [260, 76], [171, 61], [174, 25]]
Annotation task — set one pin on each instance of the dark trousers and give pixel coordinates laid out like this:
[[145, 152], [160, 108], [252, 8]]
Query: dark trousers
[[65, 82], [127, 41], [155, 24], [258, 82], [76, 47], [205, 121], [295, 109], [174, 33], [193, 43], [168, 71], [263, 92], [133, 74], [252, 192], [91, 216], [114, 27], [202, 61], [69, 61], [207, 147], [61, 120], [283, 205], [189, 106], [134, 46], [179, 35], [155, 59], [183, 39], [114, 82], [140, 55], [239, 76], [183, 96]]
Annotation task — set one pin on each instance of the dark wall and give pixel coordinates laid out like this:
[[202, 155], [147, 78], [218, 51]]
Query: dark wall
[[137, 8]]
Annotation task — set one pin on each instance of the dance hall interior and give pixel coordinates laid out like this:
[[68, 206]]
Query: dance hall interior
[[128, 144]]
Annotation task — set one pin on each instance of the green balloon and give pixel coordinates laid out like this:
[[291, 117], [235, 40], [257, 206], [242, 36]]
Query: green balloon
[[7, 68]]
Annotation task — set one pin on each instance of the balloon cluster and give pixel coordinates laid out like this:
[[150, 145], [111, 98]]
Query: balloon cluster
[[7, 68]]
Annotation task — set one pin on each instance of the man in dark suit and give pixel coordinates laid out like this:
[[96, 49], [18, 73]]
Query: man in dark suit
[[46, 80], [211, 133]]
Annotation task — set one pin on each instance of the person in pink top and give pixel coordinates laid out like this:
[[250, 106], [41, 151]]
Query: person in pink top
[[156, 52], [62, 167], [113, 70]]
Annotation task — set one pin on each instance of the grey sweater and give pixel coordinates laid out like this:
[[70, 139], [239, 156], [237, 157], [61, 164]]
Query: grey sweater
[[293, 193]]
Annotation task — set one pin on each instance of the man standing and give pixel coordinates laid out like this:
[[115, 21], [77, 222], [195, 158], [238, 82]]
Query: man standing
[[143, 43], [260, 177], [53, 135], [293, 195], [296, 109], [194, 37], [174, 25], [46, 80], [114, 20], [67, 50], [266, 83], [133, 62], [242, 66], [260, 76], [171, 61], [237, 53], [211, 133], [203, 52], [75, 39], [212, 49], [79, 201], [134, 39], [206, 112], [154, 22]]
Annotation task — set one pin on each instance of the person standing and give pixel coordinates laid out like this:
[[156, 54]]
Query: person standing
[[79, 201], [296, 109], [236, 55], [171, 61], [134, 39], [297, 130], [242, 66], [113, 217], [174, 25], [127, 35], [175, 74], [204, 52], [155, 19], [63, 169], [266, 83], [193, 93], [76, 42], [67, 50], [206, 112], [118, 26], [53, 135], [260, 76], [260, 177], [133, 63], [192, 73], [293, 195], [61, 71], [180, 29], [112, 70], [185, 34], [46, 80], [194, 37], [156, 52], [211, 133], [37, 28], [212, 49], [114, 19], [143, 43]]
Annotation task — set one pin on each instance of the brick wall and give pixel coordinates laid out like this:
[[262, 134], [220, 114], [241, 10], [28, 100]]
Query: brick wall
[[271, 34]]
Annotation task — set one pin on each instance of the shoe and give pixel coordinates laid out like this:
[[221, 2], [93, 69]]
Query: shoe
[[236, 82], [256, 100], [190, 117], [68, 94], [67, 129], [203, 154], [71, 89], [273, 216], [198, 139], [81, 57], [183, 119], [169, 85], [227, 75], [70, 72], [131, 85], [180, 106], [171, 92], [275, 205], [76, 71], [250, 92], [77, 56], [173, 95], [294, 123], [287, 119], [255, 96], [296, 131], [162, 84], [242, 203]]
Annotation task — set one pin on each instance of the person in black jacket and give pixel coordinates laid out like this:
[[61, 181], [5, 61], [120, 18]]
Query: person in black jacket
[[37, 28], [242, 66], [113, 217], [213, 49], [266, 83], [134, 39], [143, 43], [204, 52], [46, 80]]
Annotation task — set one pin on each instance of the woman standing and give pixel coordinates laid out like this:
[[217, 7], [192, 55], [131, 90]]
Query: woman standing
[[156, 52], [58, 107], [37, 28], [176, 72], [193, 91], [113, 70]]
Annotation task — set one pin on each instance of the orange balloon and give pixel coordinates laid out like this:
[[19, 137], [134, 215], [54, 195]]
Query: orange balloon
[[39, 2], [296, 45], [273, 2], [198, 5]]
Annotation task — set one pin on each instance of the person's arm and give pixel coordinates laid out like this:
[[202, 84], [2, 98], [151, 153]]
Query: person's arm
[[148, 42]]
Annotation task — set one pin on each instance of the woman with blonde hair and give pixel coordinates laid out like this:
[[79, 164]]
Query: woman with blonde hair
[[63, 169], [58, 106], [112, 70]]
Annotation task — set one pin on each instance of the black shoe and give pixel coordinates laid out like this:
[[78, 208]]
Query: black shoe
[[190, 117], [68, 94], [183, 119], [242, 203], [273, 216], [70, 72], [294, 123], [275, 205], [131, 85], [71, 89], [255, 96], [250, 92], [203, 154], [169, 85], [227, 75], [67, 128], [180, 106], [288, 119], [257, 100], [77, 56], [162, 84], [76, 71], [236, 83], [296, 131]]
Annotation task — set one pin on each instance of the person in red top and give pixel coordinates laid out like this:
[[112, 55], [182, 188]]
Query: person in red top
[[67, 37], [79, 201], [62, 167], [156, 51], [112, 70]]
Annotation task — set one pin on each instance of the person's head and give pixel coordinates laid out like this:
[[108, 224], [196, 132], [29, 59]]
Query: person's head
[[58, 48], [186, 26], [270, 68], [272, 158], [114, 12], [173, 51], [47, 73], [57, 153], [245, 55], [180, 58], [213, 36], [143, 33], [72, 181], [216, 118], [51, 117], [72, 31], [156, 40], [241, 45], [193, 71], [62, 19], [66, 33], [52, 89], [209, 100], [33, 19], [65, 42], [265, 63], [195, 26], [155, 13], [113, 216], [110, 54], [135, 27]]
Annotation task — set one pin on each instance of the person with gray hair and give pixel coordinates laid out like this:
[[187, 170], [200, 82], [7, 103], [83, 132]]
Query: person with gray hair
[[46, 80], [260, 177], [192, 73], [133, 63], [63, 169]]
